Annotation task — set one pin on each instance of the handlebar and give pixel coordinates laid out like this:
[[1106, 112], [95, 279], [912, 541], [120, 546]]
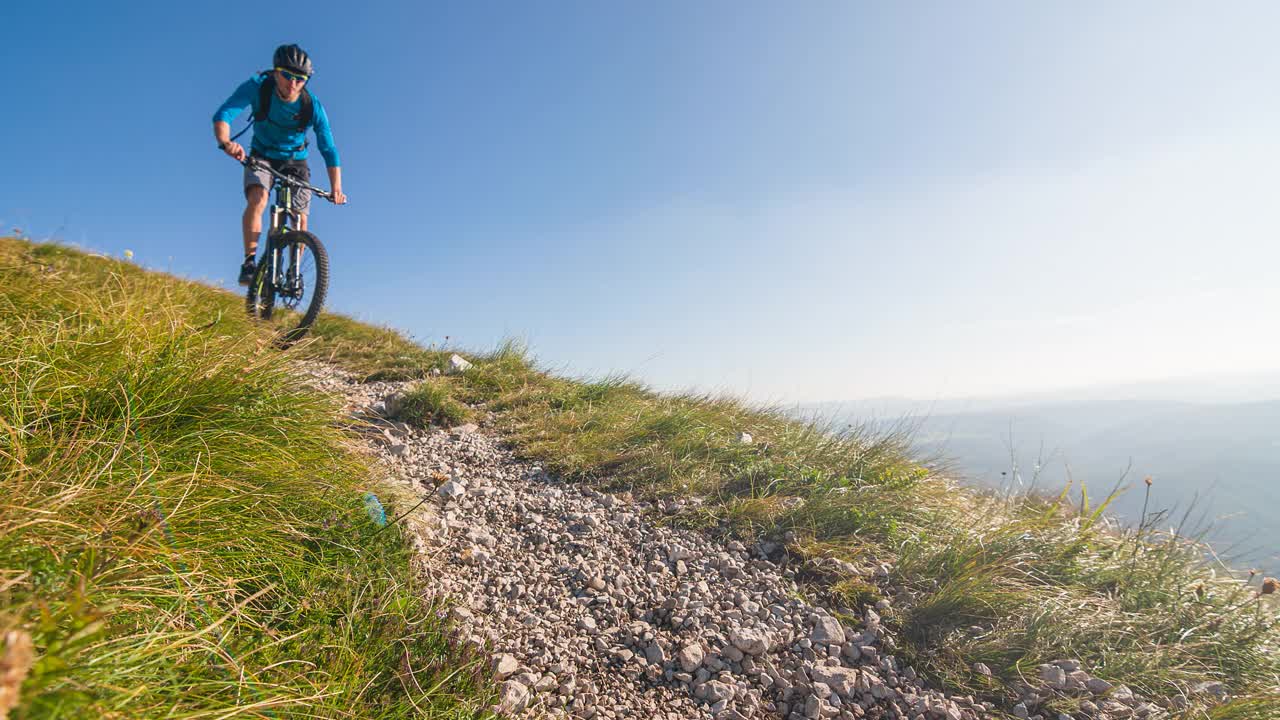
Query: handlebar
[[257, 163]]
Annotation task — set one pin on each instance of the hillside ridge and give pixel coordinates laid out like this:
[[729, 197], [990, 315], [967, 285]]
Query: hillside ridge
[[1030, 606], [588, 604]]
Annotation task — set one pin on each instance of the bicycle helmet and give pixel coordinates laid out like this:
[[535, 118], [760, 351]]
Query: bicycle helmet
[[292, 57]]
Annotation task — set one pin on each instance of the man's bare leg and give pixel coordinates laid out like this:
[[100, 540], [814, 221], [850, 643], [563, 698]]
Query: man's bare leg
[[302, 225], [251, 222]]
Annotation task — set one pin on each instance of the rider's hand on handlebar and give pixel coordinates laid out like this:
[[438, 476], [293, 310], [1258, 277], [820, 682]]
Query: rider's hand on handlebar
[[235, 150], [339, 197]]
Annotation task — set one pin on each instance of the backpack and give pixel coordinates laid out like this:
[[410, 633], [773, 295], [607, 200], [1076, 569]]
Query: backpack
[[266, 95], [266, 91]]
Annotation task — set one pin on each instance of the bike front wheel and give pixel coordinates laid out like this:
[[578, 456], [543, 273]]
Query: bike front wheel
[[290, 285]]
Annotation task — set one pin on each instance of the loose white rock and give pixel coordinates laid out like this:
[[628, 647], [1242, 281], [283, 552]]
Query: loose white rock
[[751, 642], [827, 631], [514, 697], [504, 666], [690, 657], [457, 365], [452, 489]]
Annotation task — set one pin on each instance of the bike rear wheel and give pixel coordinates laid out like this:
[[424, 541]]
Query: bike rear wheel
[[292, 292]]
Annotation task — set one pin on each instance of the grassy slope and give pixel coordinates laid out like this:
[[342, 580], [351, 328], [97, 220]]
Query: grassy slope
[[1010, 583], [182, 532]]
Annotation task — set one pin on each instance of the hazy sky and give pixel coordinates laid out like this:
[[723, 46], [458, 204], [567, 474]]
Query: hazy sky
[[791, 201]]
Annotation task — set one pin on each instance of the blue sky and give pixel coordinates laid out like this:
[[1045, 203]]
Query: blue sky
[[787, 201]]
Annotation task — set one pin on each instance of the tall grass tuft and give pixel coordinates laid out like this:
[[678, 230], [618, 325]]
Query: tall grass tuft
[[371, 353], [182, 533], [429, 403]]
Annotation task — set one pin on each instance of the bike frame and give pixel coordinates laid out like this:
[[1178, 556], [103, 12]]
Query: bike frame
[[283, 216]]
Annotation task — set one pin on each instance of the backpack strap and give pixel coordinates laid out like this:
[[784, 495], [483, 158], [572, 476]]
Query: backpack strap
[[263, 104], [266, 96], [307, 110]]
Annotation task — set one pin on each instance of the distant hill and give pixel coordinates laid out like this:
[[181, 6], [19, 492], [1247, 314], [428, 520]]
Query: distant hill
[[1221, 460]]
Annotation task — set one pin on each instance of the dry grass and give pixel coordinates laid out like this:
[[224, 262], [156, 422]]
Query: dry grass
[[1008, 581], [182, 533]]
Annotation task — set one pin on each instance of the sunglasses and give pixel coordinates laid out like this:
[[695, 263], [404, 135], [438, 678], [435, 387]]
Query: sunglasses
[[290, 75]]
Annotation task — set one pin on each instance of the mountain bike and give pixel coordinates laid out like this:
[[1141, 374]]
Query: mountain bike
[[294, 269]]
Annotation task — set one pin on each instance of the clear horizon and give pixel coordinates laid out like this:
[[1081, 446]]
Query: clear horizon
[[819, 202]]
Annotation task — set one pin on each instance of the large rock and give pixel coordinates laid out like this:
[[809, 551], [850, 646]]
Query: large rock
[[840, 679], [813, 707], [504, 666], [1210, 687], [463, 430], [872, 619], [513, 698], [1098, 686], [458, 365], [751, 642], [393, 404], [827, 631], [655, 655], [718, 691], [451, 490], [690, 657], [1053, 676]]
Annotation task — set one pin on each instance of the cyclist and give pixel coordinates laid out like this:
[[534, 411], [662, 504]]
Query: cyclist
[[283, 109]]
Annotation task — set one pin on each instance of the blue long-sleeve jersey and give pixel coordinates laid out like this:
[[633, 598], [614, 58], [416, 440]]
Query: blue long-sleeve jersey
[[277, 137]]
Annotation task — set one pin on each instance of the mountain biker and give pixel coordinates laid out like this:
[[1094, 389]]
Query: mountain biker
[[279, 138]]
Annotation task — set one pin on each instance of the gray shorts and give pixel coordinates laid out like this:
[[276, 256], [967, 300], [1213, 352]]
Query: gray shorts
[[297, 168]]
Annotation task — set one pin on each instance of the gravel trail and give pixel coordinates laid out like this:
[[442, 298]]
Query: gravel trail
[[589, 606]]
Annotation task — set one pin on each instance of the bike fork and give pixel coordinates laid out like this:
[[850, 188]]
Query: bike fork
[[295, 263]]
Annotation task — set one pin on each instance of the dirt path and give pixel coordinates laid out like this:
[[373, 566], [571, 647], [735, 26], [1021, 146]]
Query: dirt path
[[591, 608]]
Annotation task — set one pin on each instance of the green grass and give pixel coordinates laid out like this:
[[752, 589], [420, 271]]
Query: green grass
[[371, 353], [1010, 582], [183, 533], [429, 403]]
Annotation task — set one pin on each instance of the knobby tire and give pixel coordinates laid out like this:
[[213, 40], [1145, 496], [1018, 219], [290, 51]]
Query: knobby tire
[[260, 300]]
